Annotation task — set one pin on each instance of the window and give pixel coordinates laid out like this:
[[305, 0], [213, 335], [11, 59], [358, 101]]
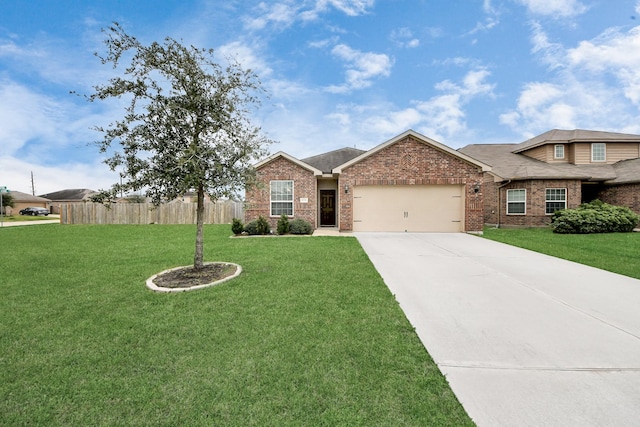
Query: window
[[281, 198], [598, 152], [516, 202], [558, 152], [555, 199]]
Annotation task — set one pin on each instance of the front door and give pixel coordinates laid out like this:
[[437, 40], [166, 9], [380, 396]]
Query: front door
[[327, 208]]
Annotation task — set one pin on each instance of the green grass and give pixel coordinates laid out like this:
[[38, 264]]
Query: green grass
[[616, 252], [308, 335]]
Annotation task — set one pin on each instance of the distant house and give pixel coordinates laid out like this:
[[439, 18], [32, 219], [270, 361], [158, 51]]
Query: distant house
[[25, 200], [68, 196], [556, 170]]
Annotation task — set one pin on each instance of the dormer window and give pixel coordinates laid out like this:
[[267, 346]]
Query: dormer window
[[598, 152], [558, 152]]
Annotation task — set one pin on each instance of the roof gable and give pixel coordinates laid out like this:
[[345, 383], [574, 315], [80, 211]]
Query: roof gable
[[559, 136], [421, 138], [282, 154], [328, 161]]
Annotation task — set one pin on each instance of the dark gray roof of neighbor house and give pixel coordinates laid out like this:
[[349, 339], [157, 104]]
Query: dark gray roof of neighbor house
[[76, 194], [627, 171], [328, 161], [19, 196], [560, 136], [506, 164]]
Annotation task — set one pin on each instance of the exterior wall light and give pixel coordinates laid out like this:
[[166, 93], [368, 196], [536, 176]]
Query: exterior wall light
[[346, 188]]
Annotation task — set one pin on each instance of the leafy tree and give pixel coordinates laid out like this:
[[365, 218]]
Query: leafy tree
[[186, 125], [7, 200]]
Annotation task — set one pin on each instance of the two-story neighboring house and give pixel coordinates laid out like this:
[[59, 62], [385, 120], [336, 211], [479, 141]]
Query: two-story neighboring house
[[559, 169]]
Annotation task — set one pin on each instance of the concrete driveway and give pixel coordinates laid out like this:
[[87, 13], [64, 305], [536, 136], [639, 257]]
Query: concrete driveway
[[524, 339]]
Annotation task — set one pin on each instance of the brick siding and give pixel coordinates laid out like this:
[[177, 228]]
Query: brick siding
[[622, 195], [411, 162], [304, 186], [495, 209]]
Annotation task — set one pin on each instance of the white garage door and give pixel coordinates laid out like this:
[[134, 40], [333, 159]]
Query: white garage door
[[409, 208]]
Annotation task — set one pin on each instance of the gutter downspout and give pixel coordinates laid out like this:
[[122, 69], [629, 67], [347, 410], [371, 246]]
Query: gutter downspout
[[500, 187]]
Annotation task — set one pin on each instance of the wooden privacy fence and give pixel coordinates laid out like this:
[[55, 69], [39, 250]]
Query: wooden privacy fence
[[221, 212]]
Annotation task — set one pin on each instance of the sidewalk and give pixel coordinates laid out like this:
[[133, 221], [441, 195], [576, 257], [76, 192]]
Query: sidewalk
[[55, 220]]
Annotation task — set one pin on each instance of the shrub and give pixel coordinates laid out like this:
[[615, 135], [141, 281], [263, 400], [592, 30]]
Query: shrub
[[300, 226], [258, 226], [594, 217], [237, 227], [283, 224]]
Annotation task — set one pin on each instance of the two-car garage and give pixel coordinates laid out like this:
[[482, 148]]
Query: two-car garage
[[409, 208]]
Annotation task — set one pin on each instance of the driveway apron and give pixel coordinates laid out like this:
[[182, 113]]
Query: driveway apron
[[524, 339]]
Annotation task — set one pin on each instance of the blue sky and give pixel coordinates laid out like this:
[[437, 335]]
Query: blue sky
[[339, 72]]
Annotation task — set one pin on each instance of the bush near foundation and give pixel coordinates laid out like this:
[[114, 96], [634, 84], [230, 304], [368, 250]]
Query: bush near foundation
[[259, 226], [283, 224], [237, 227], [300, 226], [594, 217]]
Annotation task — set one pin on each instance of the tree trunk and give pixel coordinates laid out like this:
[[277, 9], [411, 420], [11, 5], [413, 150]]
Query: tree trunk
[[197, 259]]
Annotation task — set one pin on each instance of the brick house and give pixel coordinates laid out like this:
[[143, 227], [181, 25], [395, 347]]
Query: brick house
[[556, 170], [409, 183]]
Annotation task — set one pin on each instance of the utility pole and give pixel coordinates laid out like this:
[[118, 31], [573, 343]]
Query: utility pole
[[33, 185]]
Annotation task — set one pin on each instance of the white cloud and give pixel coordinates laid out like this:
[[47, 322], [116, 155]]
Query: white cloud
[[348, 7], [555, 8], [404, 37], [593, 85], [246, 57], [16, 175], [362, 68], [280, 14], [442, 116], [283, 14]]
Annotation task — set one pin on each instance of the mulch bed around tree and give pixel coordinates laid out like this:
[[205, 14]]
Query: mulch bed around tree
[[187, 277]]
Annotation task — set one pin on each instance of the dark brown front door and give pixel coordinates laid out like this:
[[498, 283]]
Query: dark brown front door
[[327, 208]]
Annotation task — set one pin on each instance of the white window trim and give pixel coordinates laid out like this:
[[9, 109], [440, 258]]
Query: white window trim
[[604, 146], [555, 151], [281, 201], [554, 201], [520, 201]]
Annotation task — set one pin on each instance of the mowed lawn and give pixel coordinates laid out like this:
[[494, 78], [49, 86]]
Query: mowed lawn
[[616, 252], [308, 335]]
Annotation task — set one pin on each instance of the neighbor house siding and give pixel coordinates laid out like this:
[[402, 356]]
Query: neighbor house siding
[[304, 191], [538, 153], [581, 153], [411, 162], [621, 151], [622, 195], [535, 202], [546, 153]]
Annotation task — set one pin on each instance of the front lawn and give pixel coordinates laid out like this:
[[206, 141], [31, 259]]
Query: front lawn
[[308, 335], [616, 252]]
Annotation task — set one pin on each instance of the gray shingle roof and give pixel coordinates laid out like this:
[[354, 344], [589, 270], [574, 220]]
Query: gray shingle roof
[[557, 136], [76, 194], [627, 171], [19, 196], [328, 161], [507, 164]]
